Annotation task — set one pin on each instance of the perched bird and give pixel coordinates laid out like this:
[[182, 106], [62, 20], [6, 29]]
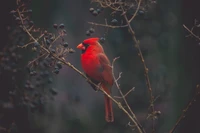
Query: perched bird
[[97, 68]]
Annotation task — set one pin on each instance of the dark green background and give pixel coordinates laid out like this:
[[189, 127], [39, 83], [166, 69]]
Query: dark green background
[[172, 60]]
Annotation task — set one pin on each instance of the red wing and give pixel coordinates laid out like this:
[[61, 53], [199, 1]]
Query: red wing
[[106, 68]]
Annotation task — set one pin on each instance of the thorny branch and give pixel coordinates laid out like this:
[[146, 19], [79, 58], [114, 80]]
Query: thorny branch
[[131, 116]]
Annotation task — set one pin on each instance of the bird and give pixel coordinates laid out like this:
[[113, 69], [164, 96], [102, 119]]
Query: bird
[[98, 69]]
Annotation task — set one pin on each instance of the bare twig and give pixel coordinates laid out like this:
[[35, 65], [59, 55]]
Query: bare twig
[[186, 109], [106, 25], [145, 68], [138, 7], [31, 62], [123, 96], [190, 31]]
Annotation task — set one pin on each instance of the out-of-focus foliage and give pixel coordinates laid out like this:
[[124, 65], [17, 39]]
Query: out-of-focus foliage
[[77, 108]]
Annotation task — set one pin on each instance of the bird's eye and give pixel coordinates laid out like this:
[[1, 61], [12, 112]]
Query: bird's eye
[[85, 47], [85, 44]]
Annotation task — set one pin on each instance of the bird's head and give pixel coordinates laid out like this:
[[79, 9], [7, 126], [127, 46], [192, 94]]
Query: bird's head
[[92, 44]]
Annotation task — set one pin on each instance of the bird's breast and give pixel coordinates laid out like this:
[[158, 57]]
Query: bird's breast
[[90, 64]]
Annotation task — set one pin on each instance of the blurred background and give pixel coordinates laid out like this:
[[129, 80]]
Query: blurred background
[[172, 59]]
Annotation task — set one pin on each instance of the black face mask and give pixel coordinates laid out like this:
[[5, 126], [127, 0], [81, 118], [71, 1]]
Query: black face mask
[[86, 46]]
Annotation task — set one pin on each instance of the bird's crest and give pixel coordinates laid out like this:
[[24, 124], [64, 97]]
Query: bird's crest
[[90, 41]]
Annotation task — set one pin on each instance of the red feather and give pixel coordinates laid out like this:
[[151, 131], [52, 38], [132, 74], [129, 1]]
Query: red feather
[[97, 67]]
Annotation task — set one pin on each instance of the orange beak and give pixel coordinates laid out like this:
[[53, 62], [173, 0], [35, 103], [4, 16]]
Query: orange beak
[[81, 47]]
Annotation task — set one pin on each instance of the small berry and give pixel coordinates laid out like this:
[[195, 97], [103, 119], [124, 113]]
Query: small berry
[[59, 65], [65, 44], [99, 10], [36, 44], [56, 67], [29, 11], [56, 71], [94, 13], [114, 21], [61, 26], [91, 9], [33, 73], [53, 91], [102, 39], [55, 26], [88, 33], [141, 12], [91, 30]]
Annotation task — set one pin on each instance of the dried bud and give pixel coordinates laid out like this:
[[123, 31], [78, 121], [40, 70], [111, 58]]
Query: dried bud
[[71, 50]]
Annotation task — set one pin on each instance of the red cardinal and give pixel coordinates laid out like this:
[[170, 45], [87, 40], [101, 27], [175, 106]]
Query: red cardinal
[[97, 68]]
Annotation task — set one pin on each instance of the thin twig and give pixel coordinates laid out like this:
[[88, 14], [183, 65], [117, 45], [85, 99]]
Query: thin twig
[[138, 7], [186, 110], [147, 79], [31, 62], [190, 31], [106, 25], [123, 96]]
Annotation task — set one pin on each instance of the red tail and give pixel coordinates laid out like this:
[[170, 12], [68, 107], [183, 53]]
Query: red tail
[[108, 109], [108, 106]]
